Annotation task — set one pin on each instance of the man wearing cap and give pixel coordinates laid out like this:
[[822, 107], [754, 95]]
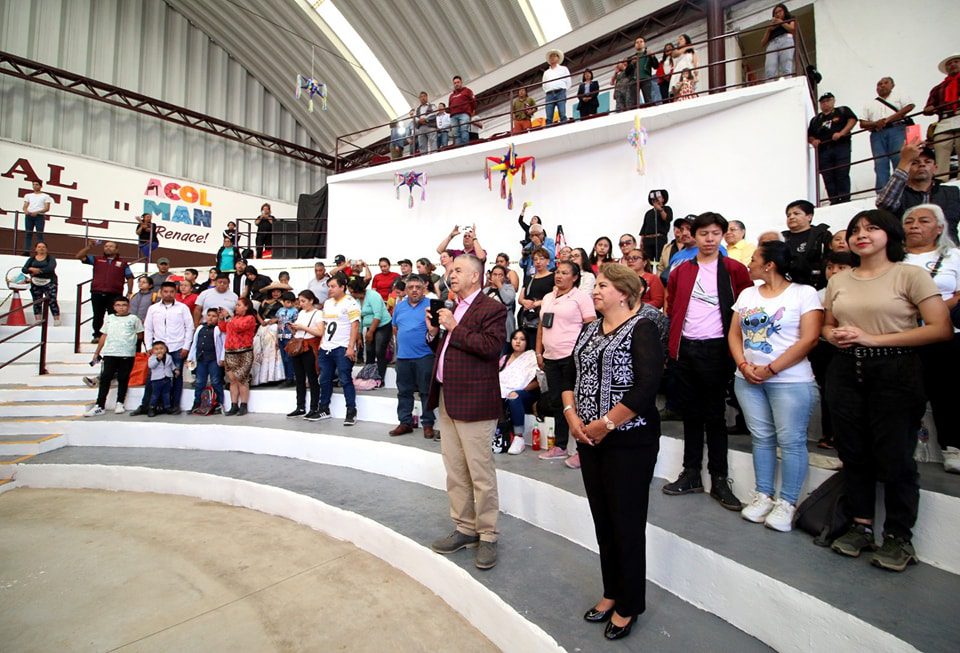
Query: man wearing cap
[[341, 265], [944, 101], [655, 231], [406, 267], [884, 118], [913, 183], [318, 285], [829, 133], [556, 81], [162, 273]]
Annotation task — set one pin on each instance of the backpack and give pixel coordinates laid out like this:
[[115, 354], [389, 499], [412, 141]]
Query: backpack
[[822, 513], [208, 402], [501, 437], [368, 378]]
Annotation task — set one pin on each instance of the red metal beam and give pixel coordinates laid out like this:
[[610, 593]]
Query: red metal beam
[[38, 73]]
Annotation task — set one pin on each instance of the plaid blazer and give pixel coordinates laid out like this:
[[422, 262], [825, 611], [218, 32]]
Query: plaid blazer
[[471, 370]]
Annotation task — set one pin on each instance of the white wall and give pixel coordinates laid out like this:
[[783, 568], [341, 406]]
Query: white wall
[[86, 188], [736, 161]]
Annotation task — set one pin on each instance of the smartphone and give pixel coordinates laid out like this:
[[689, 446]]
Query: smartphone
[[435, 306], [913, 134], [546, 319]]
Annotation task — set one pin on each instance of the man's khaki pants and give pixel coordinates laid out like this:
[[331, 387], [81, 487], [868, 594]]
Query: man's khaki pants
[[944, 143], [471, 475]]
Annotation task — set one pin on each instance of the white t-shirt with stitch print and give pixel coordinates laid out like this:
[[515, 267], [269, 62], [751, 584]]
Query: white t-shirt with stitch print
[[770, 326]]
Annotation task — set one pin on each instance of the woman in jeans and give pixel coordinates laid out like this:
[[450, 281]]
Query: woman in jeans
[[610, 404], [930, 248], [307, 327], [778, 61], [774, 328], [564, 312], [518, 385], [876, 395]]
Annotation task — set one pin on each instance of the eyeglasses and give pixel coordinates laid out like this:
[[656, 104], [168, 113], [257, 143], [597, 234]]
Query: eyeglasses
[[632, 258]]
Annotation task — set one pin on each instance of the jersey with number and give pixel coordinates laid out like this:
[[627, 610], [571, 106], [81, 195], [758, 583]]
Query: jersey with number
[[339, 316]]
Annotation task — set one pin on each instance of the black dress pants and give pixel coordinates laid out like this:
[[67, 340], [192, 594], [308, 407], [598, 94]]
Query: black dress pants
[[557, 371], [703, 371], [940, 365], [876, 405], [617, 482], [835, 170], [305, 373], [102, 303]]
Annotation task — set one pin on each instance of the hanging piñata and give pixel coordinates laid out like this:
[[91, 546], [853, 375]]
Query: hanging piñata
[[638, 140], [509, 165], [411, 179]]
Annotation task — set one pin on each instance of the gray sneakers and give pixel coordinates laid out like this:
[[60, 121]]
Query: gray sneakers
[[854, 541], [895, 554], [486, 555], [454, 542]]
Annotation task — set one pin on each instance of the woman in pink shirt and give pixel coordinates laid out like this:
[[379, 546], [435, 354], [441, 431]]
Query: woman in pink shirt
[[562, 316], [240, 328]]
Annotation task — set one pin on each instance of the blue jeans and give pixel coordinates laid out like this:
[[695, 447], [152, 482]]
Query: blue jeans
[[208, 373], [519, 407], [885, 145], [779, 64], [285, 357], [460, 122], [557, 99], [778, 414], [160, 392], [336, 360], [413, 375], [34, 223], [651, 91], [442, 137]]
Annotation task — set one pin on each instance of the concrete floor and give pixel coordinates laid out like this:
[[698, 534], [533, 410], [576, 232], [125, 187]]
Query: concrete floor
[[85, 570]]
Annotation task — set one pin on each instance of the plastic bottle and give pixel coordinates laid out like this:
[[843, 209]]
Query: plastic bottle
[[535, 436], [551, 439], [416, 415], [922, 454]]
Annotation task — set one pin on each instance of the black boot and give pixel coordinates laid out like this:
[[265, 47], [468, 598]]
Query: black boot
[[234, 409], [688, 483], [242, 411], [721, 490]]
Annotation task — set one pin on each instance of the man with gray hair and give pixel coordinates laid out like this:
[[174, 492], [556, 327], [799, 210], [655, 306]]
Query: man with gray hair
[[884, 117], [538, 238], [465, 386], [738, 247]]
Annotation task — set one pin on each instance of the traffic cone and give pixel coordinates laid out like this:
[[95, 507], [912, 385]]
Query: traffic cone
[[16, 317]]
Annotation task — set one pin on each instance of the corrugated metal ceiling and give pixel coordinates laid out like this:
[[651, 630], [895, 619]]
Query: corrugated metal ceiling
[[421, 43]]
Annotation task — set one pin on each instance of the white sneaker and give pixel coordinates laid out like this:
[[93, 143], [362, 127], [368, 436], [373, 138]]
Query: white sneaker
[[56, 321], [517, 445], [951, 460], [96, 411], [758, 508], [119, 410], [781, 517]]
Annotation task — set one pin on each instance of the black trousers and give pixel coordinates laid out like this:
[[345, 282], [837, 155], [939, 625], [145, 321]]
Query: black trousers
[[102, 303], [556, 371], [940, 364], [836, 180], [820, 358], [305, 373], [617, 481], [876, 405], [703, 371], [377, 352], [119, 366], [264, 240]]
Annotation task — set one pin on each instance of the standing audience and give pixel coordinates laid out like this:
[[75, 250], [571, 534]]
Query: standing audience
[[240, 329], [120, 339], [307, 329], [778, 43], [414, 358], [829, 134], [42, 268]]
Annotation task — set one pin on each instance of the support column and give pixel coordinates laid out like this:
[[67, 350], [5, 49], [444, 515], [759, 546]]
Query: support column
[[716, 49]]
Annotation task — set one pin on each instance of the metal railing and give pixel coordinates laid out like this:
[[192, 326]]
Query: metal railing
[[379, 151], [247, 234], [42, 323]]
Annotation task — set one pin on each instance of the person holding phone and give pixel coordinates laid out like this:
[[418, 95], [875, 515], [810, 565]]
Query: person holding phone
[[564, 312]]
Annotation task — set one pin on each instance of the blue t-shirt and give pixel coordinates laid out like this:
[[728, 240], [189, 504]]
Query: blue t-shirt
[[411, 325]]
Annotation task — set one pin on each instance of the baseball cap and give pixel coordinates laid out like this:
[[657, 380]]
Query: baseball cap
[[826, 96], [339, 258], [163, 259]]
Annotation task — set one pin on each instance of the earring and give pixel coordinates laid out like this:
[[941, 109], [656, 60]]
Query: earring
[[621, 302]]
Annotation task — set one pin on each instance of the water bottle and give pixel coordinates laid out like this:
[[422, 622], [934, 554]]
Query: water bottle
[[922, 454], [551, 439], [416, 415], [535, 435]]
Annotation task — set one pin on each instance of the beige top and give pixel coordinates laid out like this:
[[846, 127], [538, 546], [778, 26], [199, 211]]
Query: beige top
[[886, 304]]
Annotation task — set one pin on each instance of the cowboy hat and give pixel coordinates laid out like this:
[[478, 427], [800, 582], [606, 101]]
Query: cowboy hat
[[559, 53], [942, 66], [276, 285]]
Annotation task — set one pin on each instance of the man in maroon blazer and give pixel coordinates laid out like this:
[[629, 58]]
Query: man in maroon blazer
[[465, 385]]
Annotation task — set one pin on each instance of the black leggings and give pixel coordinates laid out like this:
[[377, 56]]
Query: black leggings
[[305, 373], [121, 366], [377, 352], [264, 240]]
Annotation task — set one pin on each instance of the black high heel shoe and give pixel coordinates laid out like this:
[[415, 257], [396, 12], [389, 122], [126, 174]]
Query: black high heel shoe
[[595, 616], [613, 632]]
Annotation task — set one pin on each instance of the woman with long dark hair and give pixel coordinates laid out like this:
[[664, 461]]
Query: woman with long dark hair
[[777, 42], [601, 253], [876, 394]]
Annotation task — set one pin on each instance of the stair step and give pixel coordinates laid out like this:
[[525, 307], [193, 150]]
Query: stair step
[[15, 459], [43, 409], [25, 438], [48, 394]]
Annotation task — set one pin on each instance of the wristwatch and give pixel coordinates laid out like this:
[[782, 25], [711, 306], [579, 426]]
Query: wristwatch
[[610, 425]]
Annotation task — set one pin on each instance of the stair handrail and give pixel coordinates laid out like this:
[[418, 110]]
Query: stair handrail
[[42, 323]]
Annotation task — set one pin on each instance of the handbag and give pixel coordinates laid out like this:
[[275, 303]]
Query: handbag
[[139, 372], [297, 346], [529, 317]]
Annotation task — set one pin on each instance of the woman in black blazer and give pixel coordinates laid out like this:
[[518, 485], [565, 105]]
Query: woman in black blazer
[[587, 94]]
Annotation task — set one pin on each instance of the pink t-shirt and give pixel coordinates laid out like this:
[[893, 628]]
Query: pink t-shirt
[[703, 320], [458, 312], [570, 311]]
